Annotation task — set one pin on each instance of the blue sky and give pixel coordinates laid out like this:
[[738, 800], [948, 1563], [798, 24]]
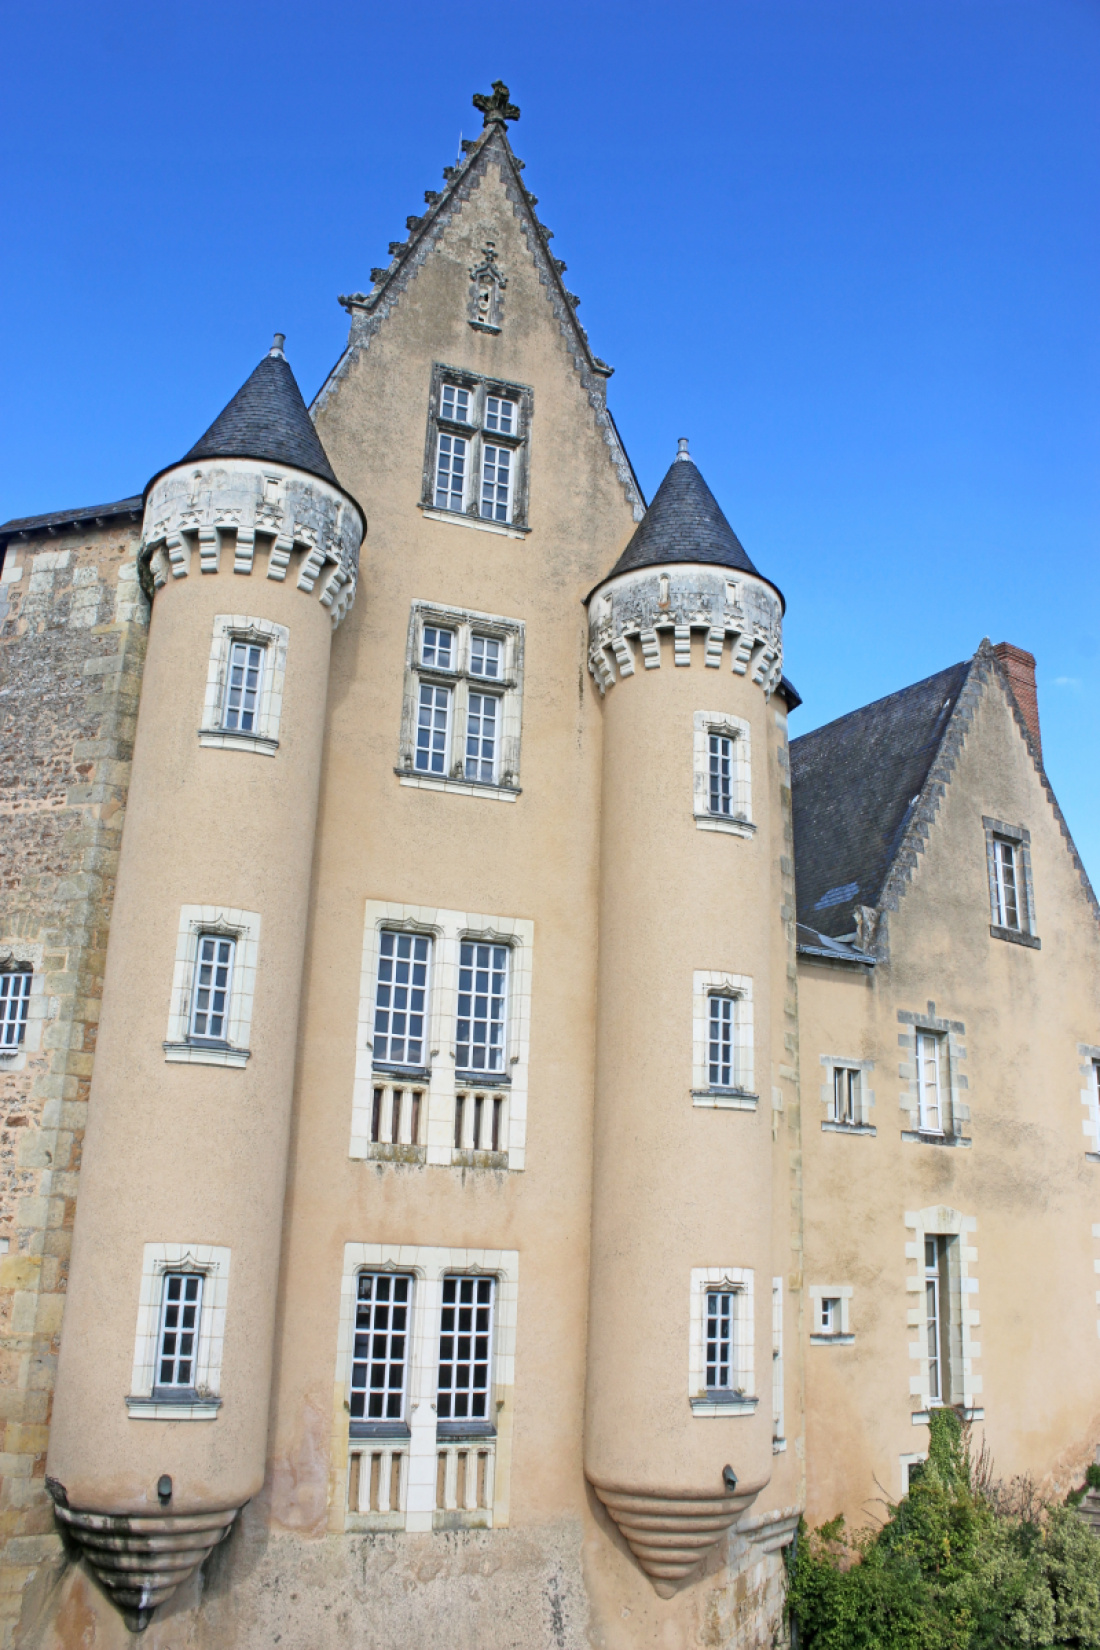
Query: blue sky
[[849, 247]]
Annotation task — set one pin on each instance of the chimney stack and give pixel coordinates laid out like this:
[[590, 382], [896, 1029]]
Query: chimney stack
[[1019, 667]]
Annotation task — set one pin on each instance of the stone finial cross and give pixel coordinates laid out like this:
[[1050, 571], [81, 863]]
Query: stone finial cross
[[496, 107]]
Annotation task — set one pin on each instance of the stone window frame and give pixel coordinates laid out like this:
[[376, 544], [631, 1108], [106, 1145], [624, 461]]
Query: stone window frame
[[1090, 1097], [212, 1262], [195, 922], [438, 1080], [480, 386], [273, 638], [707, 982], [1020, 838], [742, 1399], [428, 1265], [953, 1081], [938, 1220], [819, 1334], [844, 1062], [19, 957], [465, 622], [704, 723]]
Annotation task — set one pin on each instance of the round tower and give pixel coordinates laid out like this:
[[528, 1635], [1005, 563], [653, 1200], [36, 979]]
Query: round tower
[[250, 550], [686, 646]]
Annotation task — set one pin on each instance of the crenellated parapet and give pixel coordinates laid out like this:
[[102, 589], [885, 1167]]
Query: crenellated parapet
[[230, 514], [627, 615]]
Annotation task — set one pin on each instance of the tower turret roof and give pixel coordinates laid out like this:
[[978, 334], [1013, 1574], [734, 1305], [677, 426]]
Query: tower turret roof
[[684, 523], [267, 419]]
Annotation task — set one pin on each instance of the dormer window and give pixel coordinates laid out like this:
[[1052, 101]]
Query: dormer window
[[476, 458]]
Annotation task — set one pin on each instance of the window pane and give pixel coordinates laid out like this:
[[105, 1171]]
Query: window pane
[[500, 415], [485, 656], [720, 1042], [454, 403], [465, 1349], [450, 472], [481, 736], [401, 998], [380, 1350], [432, 727], [719, 1339], [213, 980], [15, 991], [482, 987], [928, 1081], [1008, 913], [496, 483], [242, 688], [721, 774], [437, 647], [181, 1307]]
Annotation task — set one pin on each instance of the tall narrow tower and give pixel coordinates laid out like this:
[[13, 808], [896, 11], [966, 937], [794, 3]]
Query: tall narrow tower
[[160, 1417], [685, 643]]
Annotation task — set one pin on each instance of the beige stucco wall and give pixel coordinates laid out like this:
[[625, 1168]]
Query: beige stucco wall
[[1025, 1181]]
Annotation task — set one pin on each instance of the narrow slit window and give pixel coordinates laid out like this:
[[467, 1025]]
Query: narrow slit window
[[500, 415], [433, 728], [498, 1112], [935, 1301], [482, 1004], [928, 1082], [1007, 883], [213, 983], [460, 1118], [242, 687], [720, 774], [721, 1046], [450, 472], [454, 404], [846, 1095], [465, 1349], [482, 733], [180, 1313], [401, 998], [437, 647], [15, 991], [721, 1314], [380, 1355], [496, 483], [485, 657]]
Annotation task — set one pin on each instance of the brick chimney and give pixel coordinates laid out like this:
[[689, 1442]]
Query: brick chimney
[[1019, 667]]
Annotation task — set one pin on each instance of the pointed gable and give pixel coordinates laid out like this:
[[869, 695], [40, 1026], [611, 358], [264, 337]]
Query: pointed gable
[[267, 419]]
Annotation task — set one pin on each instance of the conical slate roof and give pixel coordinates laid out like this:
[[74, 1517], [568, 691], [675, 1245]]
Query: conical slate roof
[[267, 419], [683, 524]]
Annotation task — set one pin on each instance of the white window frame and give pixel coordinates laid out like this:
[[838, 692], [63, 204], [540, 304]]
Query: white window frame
[[832, 1064], [158, 1259], [492, 451], [229, 922], [460, 681], [229, 628], [964, 1316], [456, 1425], [390, 1276], [739, 732], [457, 447], [741, 1097], [1006, 858], [428, 1264], [954, 1112], [998, 836], [441, 1085], [16, 985], [741, 1398], [476, 701], [474, 430], [190, 1284], [388, 1063], [930, 1082], [19, 957], [830, 1304], [223, 949], [481, 1074]]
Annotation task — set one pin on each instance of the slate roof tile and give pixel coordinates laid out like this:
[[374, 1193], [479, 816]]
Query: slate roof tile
[[684, 523], [267, 419]]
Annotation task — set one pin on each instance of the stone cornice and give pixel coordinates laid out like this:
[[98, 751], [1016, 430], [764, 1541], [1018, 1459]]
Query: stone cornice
[[680, 599], [202, 516]]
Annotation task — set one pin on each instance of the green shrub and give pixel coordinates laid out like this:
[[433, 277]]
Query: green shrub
[[959, 1564]]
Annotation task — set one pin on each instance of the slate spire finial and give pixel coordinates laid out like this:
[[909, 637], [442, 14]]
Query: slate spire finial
[[682, 454], [496, 107], [277, 346]]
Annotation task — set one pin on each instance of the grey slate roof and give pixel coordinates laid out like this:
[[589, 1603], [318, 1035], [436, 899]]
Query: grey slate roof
[[684, 523], [267, 419], [854, 784], [61, 519]]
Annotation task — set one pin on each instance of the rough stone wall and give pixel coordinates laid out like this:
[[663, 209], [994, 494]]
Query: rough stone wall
[[72, 640]]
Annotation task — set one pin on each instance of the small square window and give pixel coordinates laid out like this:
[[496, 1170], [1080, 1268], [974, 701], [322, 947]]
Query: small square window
[[500, 415], [15, 991], [212, 986], [486, 656], [178, 1343], [437, 647], [455, 403], [433, 729], [380, 1352], [465, 1349], [401, 998]]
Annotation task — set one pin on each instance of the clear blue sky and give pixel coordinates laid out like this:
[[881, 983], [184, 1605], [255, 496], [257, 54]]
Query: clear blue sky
[[849, 247]]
